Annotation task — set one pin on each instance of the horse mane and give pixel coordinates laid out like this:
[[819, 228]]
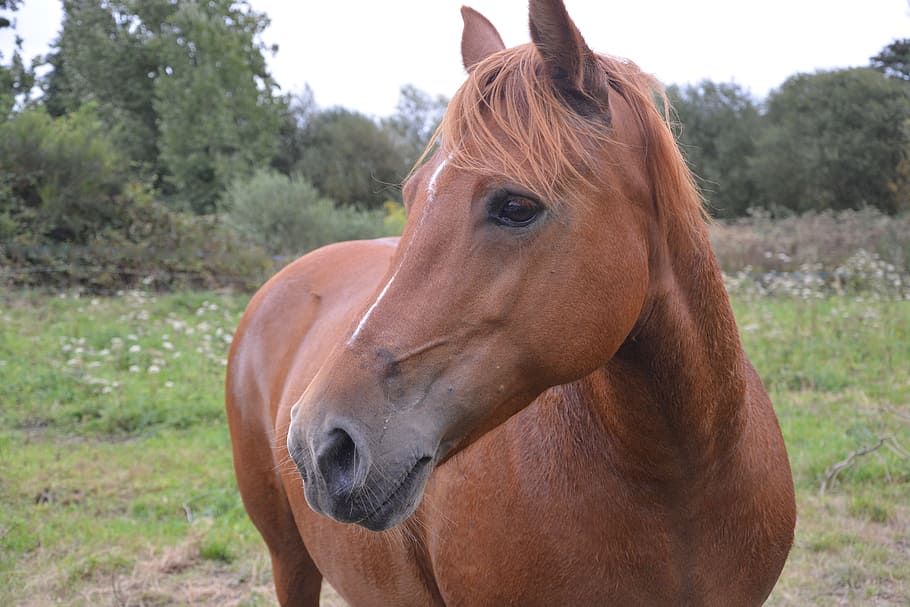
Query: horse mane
[[509, 120]]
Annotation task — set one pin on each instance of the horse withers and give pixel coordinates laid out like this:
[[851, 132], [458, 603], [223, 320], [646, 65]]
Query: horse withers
[[538, 396]]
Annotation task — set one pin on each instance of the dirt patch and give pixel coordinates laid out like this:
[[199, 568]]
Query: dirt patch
[[176, 576], [841, 559]]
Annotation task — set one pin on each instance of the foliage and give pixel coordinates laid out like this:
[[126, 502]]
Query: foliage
[[414, 122], [107, 55], [60, 180], [183, 87], [8, 5], [68, 216], [296, 110], [720, 122], [288, 216], [154, 247], [218, 116], [822, 240], [351, 159], [834, 140], [894, 60], [395, 218], [16, 79]]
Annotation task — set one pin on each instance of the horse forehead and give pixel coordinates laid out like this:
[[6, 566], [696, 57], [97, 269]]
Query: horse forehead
[[435, 178]]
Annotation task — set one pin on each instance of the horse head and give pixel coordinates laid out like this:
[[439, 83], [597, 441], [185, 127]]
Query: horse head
[[534, 238]]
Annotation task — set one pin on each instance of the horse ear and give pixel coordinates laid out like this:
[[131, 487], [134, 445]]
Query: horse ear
[[571, 64], [479, 39]]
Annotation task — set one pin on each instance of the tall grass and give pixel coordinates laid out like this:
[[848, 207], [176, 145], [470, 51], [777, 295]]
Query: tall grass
[[863, 253]]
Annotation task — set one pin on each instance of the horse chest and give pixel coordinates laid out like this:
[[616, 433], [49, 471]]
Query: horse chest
[[551, 536]]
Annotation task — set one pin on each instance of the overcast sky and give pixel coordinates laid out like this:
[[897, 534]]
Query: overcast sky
[[357, 53]]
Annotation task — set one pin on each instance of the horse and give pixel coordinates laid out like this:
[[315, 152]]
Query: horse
[[538, 395]]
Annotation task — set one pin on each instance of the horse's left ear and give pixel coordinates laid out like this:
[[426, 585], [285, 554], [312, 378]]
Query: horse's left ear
[[479, 39], [573, 66]]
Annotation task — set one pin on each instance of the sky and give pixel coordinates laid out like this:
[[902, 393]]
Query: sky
[[358, 53]]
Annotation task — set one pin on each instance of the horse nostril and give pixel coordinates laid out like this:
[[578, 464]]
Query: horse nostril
[[337, 460]]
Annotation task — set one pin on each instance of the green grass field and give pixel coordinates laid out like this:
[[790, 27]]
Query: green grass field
[[116, 485]]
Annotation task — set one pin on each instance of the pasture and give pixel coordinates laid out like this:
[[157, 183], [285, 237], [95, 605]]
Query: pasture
[[116, 484]]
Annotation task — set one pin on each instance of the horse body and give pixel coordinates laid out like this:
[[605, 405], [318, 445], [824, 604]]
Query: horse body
[[525, 401]]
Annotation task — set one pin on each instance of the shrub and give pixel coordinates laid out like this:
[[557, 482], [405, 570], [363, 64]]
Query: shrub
[[288, 216], [151, 246], [61, 180]]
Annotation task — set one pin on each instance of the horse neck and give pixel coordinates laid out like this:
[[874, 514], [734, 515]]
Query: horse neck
[[680, 378]]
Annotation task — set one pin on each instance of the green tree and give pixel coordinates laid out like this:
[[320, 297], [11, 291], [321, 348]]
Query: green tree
[[351, 159], [107, 54], [8, 5], [719, 125], [416, 117], [218, 113], [296, 110], [834, 140], [16, 79], [894, 60], [182, 85], [288, 216]]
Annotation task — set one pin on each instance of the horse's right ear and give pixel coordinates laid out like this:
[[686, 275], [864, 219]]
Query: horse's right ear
[[479, 39], [571, 64]]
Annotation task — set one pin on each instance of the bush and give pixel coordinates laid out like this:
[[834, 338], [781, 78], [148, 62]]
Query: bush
[[288, 216], [152, 246], [60, 180]]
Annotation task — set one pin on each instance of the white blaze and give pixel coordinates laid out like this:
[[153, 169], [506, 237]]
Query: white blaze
[[431, 186], [431, 196]]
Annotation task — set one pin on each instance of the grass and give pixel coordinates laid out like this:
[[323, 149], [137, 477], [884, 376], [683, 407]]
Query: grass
[[116, 484], [836, 369]]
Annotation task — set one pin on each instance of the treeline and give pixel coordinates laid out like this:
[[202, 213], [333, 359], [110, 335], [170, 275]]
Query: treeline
[[152, 144], [831, 140]]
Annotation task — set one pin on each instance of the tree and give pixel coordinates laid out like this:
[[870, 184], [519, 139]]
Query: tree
[[351, 159], [894, 60], [296, 110], [182, 86], [8, 5], [215, 99], [834, 140], [106, 54], [416, 117], [16, 79], [719, 125]]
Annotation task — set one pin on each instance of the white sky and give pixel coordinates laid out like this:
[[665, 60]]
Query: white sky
[[357, 53]]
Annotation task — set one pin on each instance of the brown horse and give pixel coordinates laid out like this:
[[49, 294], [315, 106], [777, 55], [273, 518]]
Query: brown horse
[[539, 395]]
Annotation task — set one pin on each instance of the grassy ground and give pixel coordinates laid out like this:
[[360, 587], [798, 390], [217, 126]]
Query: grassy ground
[[116, 486]]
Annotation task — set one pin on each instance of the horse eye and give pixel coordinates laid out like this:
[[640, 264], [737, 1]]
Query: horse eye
[[516, 212]]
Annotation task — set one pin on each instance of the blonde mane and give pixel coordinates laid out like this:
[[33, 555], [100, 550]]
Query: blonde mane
[[509, 120]]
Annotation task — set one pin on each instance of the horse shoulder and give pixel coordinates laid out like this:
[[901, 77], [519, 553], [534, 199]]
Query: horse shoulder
[[290, 319]]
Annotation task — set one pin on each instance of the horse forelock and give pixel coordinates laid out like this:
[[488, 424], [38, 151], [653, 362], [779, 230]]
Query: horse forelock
[[508, 120]]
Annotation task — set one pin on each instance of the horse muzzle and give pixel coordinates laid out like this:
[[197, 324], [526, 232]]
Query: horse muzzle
[[343, 481]]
